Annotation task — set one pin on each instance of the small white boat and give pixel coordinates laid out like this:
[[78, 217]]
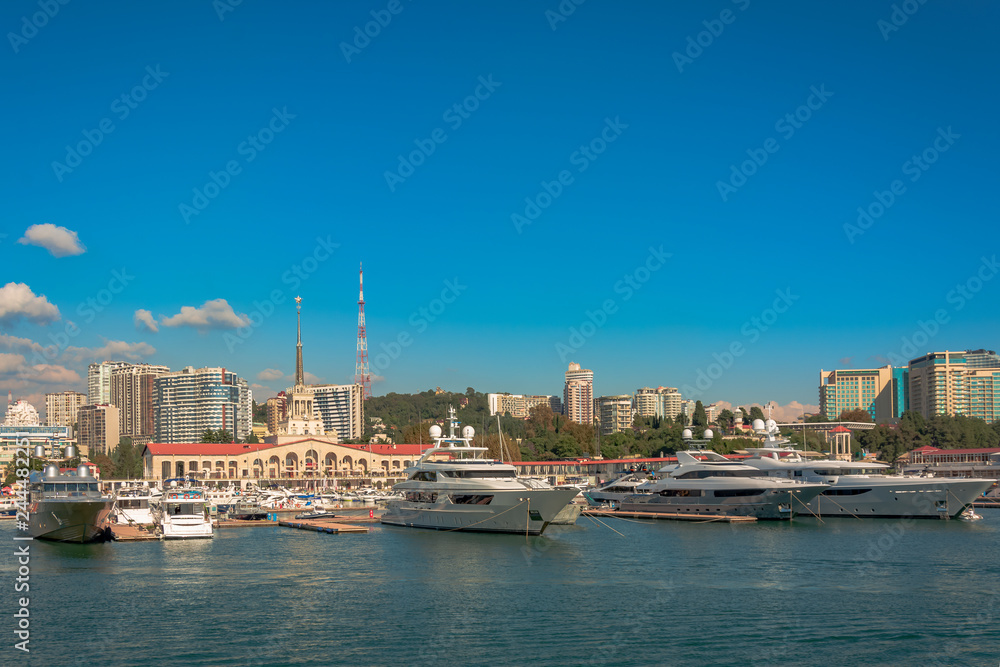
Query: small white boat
[[133, 504]]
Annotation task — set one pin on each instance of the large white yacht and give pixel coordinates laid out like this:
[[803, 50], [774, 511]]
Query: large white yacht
[[708, 484], [861, 488], [617, 490], [451, 487], [181, 513], [133, 503]]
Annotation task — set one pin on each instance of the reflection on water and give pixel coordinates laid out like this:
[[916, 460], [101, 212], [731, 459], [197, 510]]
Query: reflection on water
[[874, 591]]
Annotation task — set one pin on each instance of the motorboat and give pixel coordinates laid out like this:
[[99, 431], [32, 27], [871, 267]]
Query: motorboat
[[452, 487], [706, 483], [863, 488], [183, 512], [67, 506], [247, 509], [617, 490], [132, 504], [317, 514]]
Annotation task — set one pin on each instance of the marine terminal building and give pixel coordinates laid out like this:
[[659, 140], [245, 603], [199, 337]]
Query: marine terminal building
[[303, 459]]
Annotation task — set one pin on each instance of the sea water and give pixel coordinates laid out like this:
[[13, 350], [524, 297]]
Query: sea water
[[615, 592]]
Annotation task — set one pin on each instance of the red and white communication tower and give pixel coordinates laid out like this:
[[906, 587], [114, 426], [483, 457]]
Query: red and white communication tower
[[361, 374]]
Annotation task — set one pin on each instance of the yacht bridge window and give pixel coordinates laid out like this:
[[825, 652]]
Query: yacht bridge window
[[480, 474], [471, 499], [701, 474]]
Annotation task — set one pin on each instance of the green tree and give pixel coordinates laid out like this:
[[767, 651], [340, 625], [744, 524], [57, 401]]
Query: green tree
[[856, 415], [252, 438], [725, 419], [756, 413], [127, 459], [699, 419]]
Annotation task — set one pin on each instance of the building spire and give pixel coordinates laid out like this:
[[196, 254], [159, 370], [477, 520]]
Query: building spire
[[299, 375]]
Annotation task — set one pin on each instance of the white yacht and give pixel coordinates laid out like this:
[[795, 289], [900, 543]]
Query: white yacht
[[862, 488], [617, 490], [133, 503], [451, 487], [182, 512], [716, 486]]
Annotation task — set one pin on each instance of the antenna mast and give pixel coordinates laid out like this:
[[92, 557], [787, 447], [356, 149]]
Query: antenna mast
[[362, 375]]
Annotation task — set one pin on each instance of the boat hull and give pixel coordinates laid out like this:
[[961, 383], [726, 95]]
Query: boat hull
[[918, 498], [69, 520], [770, 504], [526, 511], [186, 528]]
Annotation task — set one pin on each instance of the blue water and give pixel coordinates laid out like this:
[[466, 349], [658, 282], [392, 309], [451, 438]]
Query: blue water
[[843, 592]]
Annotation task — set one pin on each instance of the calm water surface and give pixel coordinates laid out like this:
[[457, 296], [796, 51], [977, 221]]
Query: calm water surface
[[843, 592]]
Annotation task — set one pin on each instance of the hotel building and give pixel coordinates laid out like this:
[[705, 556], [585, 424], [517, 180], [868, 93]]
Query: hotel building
[[277, 411], [341, 407], [945, 383], [875, 390], [520, 405]]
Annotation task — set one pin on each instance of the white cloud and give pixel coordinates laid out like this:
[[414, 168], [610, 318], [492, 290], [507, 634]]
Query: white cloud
[[144, 318], [59, 241], [112, 349], [214, 314], [269, 374], [17, 301], [11, 364], [15, 367], [15, 343], [783, 414]]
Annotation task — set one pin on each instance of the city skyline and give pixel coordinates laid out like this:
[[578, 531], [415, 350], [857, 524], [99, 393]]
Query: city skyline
[[781, 180]]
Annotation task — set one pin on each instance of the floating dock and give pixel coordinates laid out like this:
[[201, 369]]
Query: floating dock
[[981, 504], [321, 526], [125, 533], [705, 518]]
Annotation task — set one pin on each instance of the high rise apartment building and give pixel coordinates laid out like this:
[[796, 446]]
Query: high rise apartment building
[[61, 408], [578, 394], [614, 413], [871, 389], [99, 381], [98, 430], [341, 407], [662, 402], [520, 405], [190, 401], [132, 394]]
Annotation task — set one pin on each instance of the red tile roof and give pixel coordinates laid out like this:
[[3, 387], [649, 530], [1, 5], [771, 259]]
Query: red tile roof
[[203, 448], [840, 429]]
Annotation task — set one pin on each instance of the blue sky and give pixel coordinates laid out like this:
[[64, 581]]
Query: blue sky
[[622, 123]]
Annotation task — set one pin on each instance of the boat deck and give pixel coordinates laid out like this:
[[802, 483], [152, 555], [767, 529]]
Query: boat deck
[[669, 517], [125, 533]]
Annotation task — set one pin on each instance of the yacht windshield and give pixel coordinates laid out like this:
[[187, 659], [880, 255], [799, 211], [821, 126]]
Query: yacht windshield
[[836, 472], [701, 474], [480, 474]]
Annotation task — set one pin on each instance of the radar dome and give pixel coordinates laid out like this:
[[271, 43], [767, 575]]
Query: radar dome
[[435, 431], [69, 452], [758, 424], [51, 471], [39, 451], [468, 432], [83, 470], [770, 424], [708, 434], [686, 434]]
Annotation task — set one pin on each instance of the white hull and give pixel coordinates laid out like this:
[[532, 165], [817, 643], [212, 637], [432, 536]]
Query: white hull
[[903, 497], [186, 528], [523, 511]]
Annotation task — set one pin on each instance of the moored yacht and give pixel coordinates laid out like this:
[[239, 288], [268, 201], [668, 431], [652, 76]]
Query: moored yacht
[[132, 502], [617, 490], [182, 513], [67, 507], [864, 488], [451, 487], [713, 485]]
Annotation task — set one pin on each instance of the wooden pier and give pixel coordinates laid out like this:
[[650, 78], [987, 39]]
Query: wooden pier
[[131, 533], [703, 518]]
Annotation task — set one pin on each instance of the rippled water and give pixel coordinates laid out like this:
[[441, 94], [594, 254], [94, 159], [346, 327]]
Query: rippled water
[[843, 592]]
